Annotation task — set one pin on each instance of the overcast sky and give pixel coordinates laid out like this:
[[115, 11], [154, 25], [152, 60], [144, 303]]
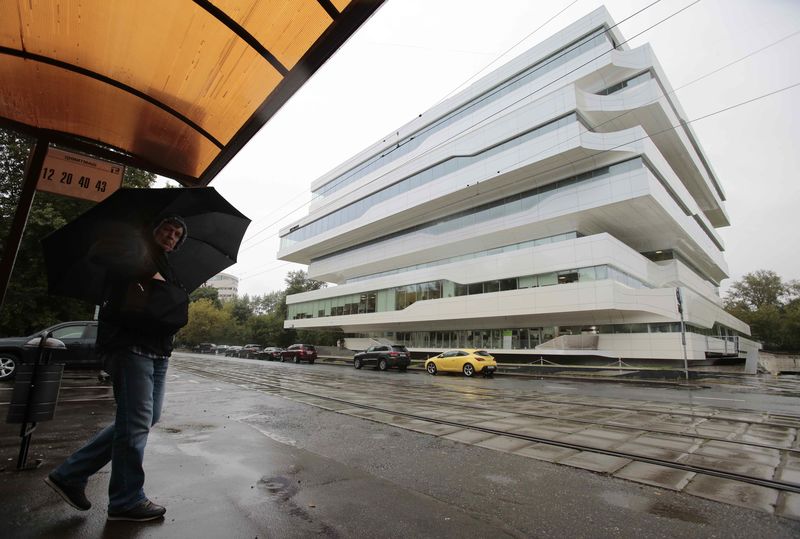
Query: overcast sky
[[413, 53]]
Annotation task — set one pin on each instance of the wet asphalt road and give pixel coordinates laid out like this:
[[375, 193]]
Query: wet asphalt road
[[228, 461]]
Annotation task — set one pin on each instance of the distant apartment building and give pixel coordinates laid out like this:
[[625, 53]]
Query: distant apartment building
[[226, 284], [560, 205]]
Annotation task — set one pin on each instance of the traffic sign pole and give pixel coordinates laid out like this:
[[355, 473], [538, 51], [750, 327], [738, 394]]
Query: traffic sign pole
[[683, 332]]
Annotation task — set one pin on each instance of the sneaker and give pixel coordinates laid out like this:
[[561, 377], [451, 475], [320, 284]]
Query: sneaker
[[146, 510], [72, 495]]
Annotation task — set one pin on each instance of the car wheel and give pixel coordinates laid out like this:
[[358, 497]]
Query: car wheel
[[8, 366], [469, 370], [383, 364], [357, 363], [431, 368], [311, 361], [296, 359], [402, 369], [282, 359]]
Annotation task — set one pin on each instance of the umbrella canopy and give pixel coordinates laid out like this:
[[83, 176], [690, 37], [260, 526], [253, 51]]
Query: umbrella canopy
[[215, 231], [175, 87]]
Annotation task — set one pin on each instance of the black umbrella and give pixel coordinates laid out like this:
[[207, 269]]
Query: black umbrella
[[215, 231]]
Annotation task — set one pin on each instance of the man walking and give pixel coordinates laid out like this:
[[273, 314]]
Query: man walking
[[144, 307]]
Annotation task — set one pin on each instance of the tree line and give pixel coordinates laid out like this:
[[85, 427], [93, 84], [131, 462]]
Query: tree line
[[250, 319]]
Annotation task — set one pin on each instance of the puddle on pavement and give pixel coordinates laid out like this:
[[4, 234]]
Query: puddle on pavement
[[177, 429], [654, 507], [283, 487]]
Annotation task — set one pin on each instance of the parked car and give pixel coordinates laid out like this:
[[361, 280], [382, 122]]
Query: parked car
[[233, 351], [221, 349], [300, 352], [249, 351], [79, 338], [469, 361], [271, 353], [383, 356], [205, 348]]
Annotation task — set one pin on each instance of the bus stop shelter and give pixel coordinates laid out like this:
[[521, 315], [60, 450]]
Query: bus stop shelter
[[176, 88]]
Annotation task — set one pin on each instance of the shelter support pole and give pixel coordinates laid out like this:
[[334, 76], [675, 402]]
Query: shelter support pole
[[11, 247]]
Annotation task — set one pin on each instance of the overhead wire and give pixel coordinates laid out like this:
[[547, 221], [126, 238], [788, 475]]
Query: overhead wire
[[512, 47]]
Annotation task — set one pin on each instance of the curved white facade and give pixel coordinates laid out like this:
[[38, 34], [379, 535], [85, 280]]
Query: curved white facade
[[561, 194]]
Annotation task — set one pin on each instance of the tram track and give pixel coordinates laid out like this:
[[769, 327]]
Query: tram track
[[649, 408], [244, 377], [719, 412]]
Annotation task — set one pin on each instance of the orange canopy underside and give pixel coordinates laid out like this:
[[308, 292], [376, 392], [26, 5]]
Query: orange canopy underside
[[176, 87]]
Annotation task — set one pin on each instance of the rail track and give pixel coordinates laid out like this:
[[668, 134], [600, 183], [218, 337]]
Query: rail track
[[393, 401]]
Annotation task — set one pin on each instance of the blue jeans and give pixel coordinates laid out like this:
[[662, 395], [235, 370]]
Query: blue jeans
[[139, 393]]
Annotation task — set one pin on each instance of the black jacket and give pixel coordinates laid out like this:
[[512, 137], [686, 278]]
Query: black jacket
[[138, 310]]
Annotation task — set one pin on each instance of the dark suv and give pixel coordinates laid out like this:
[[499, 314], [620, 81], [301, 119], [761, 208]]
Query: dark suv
[[383, 356], [249, 351], [300, 352], [205, 348]]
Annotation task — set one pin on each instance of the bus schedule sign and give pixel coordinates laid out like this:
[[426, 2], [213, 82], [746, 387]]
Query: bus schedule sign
[[79, 176]]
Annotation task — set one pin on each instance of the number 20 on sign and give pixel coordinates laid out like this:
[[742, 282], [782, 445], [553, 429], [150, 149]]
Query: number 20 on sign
[[79, 176]]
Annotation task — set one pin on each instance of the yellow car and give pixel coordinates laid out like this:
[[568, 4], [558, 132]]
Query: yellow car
[[469, 361]]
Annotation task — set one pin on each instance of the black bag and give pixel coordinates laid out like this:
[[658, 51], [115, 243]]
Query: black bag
[[153, 305]]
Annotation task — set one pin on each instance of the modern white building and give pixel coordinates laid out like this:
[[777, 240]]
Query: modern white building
[[555, 207], [226, 284]]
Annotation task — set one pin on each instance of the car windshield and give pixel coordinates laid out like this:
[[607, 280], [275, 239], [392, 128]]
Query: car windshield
[[483, 353]]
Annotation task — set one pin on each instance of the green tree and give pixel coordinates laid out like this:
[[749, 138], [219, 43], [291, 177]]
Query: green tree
[[268, 303], [770, 306], [206, 292], [28, 307], [267, 330], [206, 324], [791, 326], [241, 309], [757, 290]]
